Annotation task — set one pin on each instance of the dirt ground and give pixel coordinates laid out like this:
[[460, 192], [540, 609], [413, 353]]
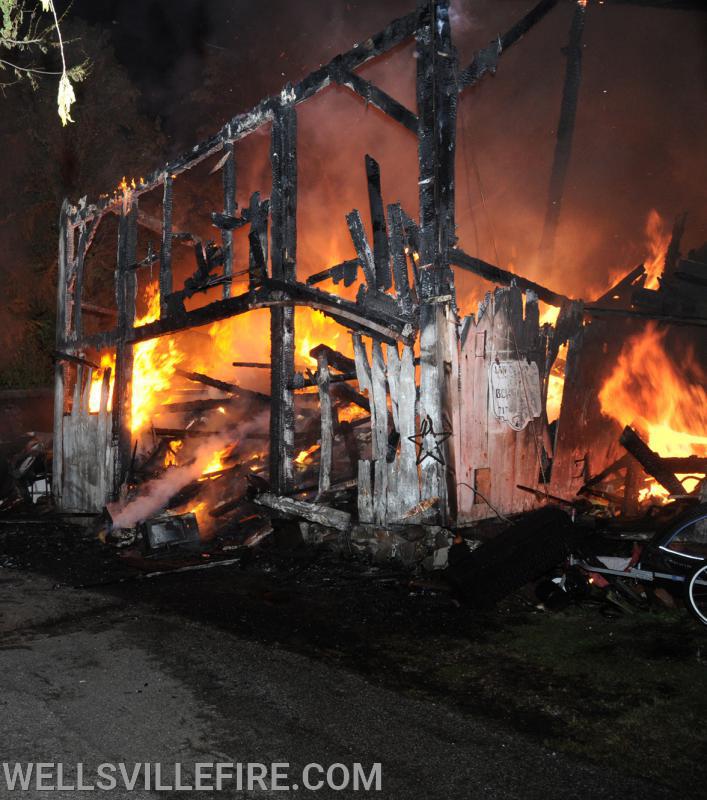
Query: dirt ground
[[624, 697]]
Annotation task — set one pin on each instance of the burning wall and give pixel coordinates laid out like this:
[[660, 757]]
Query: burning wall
[[182, 343]]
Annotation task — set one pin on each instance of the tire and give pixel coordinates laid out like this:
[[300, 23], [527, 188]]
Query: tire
[[524, 552], [696, 593]]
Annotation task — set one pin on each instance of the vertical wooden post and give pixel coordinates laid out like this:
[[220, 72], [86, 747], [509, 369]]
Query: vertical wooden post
[[166, 246], [565, 133], [283, 159], [436, 105], [229, 209], [327, 435], [66, 236], [125, 292]]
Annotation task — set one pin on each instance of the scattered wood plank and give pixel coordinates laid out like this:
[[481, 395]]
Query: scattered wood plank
[[312, 512]]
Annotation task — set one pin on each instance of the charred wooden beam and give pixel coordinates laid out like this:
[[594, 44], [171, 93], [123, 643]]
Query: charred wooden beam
[[166, 246], [381, 256], [283, 158], [342, 391], [245, 123], [98, 311], [486, 60], [437, 94], [651, 462], [274, 293], [227, 222], [312, 512], [504, 277], [363, 249], [185, 433], [619, 291], [126, 288], [230, 388], [59, 356], [229, 209], [396, 234], [258, 240], [199, 406], [565, 134], [335, 359], [686, 464], [657, 316], [612, 469], [346, 271], [252, 364], [374, 95]]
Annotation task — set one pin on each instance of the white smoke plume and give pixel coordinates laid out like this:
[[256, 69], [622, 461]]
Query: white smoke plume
[[156, 494]]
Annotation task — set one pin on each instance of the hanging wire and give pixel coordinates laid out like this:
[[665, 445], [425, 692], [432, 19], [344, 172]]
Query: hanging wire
[[477, 492], [482, 194]]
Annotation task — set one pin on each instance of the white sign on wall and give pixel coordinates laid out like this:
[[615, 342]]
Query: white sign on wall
[[515, 392]]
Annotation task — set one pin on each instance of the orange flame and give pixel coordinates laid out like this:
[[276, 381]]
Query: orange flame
[[154, 365], [215, 462], [304, 455], [657, 241], [94, 397], [647, 390]]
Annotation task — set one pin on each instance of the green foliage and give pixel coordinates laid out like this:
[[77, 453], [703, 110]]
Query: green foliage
[[27, 34]]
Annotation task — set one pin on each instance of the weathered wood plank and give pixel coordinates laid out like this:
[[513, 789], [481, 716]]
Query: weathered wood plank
[[327, 432], [365, 492], [379, 433]]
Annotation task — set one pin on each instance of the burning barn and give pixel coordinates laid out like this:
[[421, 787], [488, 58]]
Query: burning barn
[[199, 370]]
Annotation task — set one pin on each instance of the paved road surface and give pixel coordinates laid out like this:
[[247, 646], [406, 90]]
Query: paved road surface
[[87, 679]]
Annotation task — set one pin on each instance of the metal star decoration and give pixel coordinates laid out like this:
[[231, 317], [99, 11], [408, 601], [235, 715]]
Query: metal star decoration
[[435, 451]]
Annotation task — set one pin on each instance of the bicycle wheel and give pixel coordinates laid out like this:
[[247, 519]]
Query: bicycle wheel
[[697, 593]]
